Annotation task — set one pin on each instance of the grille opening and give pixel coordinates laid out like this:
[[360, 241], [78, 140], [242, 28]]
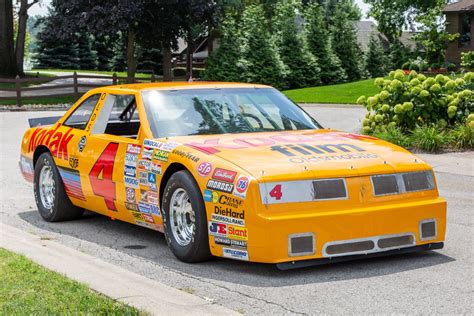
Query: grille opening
[[397, 241], [417, 181], [386, 184], [329, 189], [301, 244], [349, 247], [428, 230]]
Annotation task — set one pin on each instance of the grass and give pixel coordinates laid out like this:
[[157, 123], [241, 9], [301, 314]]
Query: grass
[[29, 289], [106, 73], [345, 93], [40, 100], [8, 85]]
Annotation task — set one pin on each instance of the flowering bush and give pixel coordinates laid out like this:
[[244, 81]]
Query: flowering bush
[[410, 100]]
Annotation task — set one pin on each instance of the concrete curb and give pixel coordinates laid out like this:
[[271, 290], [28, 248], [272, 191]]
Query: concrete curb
[[120, 284]]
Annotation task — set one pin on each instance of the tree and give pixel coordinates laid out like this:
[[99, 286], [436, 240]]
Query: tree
[[376, 61], [345, 44], [393, 15], [319, 42], [105, 53], [7, 59], [86, 55], [21, 35], [433, 36], [399, 54], [223, 63], [302, 66], [260, 59]]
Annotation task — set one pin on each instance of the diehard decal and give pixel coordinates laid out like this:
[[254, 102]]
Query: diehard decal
[[229, 212], [224, 175], [204, 169]]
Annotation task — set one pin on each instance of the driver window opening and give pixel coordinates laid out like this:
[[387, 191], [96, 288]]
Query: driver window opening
[[119, 117]]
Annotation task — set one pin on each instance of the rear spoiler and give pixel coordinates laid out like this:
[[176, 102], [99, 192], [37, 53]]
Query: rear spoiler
[[40, 121]]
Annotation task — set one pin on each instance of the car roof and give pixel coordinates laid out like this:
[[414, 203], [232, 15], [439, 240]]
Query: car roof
[[181, 85]]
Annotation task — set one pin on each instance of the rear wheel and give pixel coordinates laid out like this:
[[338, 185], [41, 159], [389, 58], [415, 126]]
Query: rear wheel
[[51, 199], [184, 218]]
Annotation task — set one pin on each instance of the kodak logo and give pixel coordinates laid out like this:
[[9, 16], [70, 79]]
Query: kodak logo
[[55, 140]]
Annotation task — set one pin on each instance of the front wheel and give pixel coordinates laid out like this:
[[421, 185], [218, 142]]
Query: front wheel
[[184, 218], [52, 201]]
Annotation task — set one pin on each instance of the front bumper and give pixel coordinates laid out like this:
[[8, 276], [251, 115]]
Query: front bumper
[[269, 232]]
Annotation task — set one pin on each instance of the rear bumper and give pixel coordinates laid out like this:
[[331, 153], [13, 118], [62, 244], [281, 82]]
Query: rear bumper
[[269, 234], [317, 262]]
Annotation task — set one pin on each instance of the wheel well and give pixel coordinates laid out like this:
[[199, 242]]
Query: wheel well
[[38, 151], [173, 168]]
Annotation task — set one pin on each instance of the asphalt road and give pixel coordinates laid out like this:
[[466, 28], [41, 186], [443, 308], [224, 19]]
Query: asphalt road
[[423, 283]]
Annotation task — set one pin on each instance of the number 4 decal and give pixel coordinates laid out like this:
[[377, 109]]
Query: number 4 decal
[[101, 176], [276, 192]]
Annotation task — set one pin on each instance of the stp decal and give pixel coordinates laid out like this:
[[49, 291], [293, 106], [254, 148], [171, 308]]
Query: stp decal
[[204, 169]]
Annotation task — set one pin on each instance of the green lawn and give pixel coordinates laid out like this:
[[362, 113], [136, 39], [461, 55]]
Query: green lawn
[[346, 93], [29, 289], [106, 73], [40, 100], [10, 85]]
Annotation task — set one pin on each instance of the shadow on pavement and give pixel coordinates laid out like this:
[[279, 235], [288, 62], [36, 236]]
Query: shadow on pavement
[[151, 245]]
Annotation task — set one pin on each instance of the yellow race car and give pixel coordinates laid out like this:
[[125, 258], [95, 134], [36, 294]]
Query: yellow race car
[[231, 170]]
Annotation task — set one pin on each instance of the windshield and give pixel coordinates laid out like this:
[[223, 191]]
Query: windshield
[[219, 111]]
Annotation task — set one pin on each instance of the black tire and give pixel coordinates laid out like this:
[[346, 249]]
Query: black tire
[[61, 208], [198, 249]]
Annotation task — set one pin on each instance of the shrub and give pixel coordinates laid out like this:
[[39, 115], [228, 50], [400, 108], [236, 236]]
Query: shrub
[[467, 60], [394, 135], [461, 136], [412, 100], [429, 138]]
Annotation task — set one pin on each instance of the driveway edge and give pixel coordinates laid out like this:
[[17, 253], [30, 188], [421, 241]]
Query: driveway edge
[[117, 283]]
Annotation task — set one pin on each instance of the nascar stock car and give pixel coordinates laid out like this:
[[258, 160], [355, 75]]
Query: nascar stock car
[[231, 170]]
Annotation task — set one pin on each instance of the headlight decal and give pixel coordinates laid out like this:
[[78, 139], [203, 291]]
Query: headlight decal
[[398, 183]]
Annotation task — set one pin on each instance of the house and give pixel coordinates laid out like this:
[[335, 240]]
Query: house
[[460, 19]]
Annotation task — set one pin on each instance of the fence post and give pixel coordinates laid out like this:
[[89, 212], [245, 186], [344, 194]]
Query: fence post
[[76, 87], [152, 78], [114, 78], [18, 90]]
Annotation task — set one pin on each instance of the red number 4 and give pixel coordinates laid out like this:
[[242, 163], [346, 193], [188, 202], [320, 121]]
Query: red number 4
[[276, 192], [104, 186]]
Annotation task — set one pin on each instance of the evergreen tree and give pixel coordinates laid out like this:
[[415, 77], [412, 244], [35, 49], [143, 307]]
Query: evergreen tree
[[223, 65], [149, 59], [54, 51], [87, 56], [260, 59], [119, 59], [345, 44], [376, 62], [302, 66], [320, 44], [104, 47]]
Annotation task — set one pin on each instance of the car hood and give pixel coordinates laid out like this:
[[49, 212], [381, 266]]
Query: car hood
[[305, 154]]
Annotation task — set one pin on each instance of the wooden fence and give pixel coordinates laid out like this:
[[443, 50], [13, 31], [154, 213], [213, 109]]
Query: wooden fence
[[17, 93]]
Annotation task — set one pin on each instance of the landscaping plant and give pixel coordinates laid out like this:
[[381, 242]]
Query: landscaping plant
[[427, 109]]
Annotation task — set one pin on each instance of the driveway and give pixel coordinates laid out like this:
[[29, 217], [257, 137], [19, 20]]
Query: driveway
[[422, 283]]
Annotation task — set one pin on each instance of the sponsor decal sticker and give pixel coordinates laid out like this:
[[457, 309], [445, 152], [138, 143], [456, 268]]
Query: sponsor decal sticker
[[134, 149], [144, 195], [147, 153], [220, 186], [169, 146], [152, 197], [131, 206], [151, 178], [186, 155], [241, 186], [227, 220], [236, 232], [224, 175], [54, 140], [26, 166], [235, 254], [144, 207], [138, 216], [131, 182], [155, 210], [228, 212], [155, 167], [148, 218], [73, 162], [204, 169], [152, 143], [210, 196], [144, 164], [82, 144], [131, 159], [218, 229], [153, 187], [143, 177], [230, 242], [130, 171], [130, 195], [161, 155]]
